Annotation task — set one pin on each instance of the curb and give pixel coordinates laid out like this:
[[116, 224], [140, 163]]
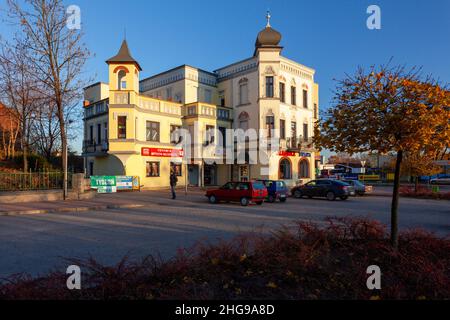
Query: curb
[[70, 209]]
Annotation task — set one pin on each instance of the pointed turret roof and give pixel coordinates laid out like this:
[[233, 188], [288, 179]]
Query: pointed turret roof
[[123, 56]]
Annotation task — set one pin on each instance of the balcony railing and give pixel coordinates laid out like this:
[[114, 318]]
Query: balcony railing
[[300, 143], [91, 146]]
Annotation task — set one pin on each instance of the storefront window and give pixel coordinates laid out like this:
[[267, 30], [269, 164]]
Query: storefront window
[[285, 169], [177, 168], [304, 169], [152, 169]]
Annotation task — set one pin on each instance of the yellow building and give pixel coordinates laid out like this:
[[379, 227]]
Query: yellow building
[[128, 122]]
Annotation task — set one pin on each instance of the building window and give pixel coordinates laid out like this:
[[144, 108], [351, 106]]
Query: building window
[[305, 132], [285, 169], [243, 91], [269, 87], [305, 99], [282, 92], [270, 126], [121, 127], [293, 95], [121, 80], [176, 167], [293, 134], [208, 96], [99, 133], [223, 133], [105, 129], [303, 168], [152, 169], [91, 135], [316, 111], [152, 131], [283, 129], [175, 134], [209, 134], [169, 93]]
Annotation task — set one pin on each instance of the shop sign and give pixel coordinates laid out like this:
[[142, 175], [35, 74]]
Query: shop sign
[[162, 152], [305, 154], [374, 177], [287, 153], [103, 181]]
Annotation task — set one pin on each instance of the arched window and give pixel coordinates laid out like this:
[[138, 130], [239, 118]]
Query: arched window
[[122, 84], [303, 168], [243, 120], [285, 171]]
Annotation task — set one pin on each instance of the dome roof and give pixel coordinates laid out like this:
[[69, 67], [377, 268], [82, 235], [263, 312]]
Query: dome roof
[[268, 37]]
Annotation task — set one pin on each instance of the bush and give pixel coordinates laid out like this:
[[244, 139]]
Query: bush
[[423, 192], [303, 262], [36, 162]]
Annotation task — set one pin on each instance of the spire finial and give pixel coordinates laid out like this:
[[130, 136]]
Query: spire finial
[[268, 19], [125, 33]]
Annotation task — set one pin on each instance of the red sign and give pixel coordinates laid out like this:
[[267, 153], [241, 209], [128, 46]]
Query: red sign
[[287, 154], [161, 152]]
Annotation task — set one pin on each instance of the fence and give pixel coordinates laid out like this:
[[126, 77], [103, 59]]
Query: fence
[[33, 181]]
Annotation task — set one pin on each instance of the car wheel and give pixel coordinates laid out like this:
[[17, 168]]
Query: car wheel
[[344, 198], [283, 200], [298, 194], [259, 203], [271, 199], [331, 196], [244, 201], [212, 199]]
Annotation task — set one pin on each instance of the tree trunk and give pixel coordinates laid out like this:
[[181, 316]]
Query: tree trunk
[[395, 197], [62, 127], [24, 148]]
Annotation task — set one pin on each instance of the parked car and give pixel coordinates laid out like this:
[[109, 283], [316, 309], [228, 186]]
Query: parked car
[[360, 188], [276, 190], [243, 192], [330, 189], [441, 180]]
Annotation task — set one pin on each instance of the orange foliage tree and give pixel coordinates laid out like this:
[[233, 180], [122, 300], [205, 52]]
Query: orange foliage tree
[[387, 109]]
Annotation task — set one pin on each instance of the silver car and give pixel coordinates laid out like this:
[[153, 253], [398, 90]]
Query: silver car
[[360, 188]]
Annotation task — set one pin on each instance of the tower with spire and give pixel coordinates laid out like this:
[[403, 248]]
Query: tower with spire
[[123, 76]]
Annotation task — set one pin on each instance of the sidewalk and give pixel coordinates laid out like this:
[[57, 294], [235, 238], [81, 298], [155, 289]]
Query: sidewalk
[[120, 200]]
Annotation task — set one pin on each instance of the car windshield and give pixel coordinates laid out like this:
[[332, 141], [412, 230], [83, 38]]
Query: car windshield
[[341, 183], [281, 185], [357, 183], [258, 185]]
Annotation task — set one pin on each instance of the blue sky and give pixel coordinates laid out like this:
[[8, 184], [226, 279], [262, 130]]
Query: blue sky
[[329, 36]]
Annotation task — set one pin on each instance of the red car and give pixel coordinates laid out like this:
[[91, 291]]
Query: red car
[[243, 192]]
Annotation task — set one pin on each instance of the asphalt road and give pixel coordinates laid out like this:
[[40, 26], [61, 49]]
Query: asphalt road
[[37, 243]]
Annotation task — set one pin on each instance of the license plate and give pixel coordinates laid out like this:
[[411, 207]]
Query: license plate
[[282, 196], [352, 193]]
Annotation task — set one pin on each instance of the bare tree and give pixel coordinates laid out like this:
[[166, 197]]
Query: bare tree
[[20, 91], [57, 53]]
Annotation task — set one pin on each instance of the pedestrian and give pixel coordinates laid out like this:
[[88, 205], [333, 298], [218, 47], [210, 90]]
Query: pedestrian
[[173, 183]]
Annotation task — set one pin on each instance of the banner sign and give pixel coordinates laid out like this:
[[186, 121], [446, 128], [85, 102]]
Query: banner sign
[[107, 189], [161, 152], [103, 181], [287, 154], [124, 182]]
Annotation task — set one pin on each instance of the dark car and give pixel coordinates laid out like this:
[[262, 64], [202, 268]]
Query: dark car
[[276, 189], [360, 188], [243, 192], [330, 189]]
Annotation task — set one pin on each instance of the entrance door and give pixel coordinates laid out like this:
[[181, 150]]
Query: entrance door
[[193, 174], [210, 178], [244, 173]]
